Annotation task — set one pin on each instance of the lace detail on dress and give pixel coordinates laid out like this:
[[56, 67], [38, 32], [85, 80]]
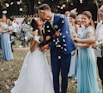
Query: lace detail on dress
[[37, 38]]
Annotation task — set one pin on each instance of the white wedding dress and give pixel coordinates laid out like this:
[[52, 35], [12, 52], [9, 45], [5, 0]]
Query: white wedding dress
[[35, 76]]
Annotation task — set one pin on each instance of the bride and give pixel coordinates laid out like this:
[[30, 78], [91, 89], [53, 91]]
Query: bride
[[35, 76]]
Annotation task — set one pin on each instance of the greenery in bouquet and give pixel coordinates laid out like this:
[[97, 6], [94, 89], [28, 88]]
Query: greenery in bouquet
[[99, 41], [25, 32], [28, 32], [99, 44]]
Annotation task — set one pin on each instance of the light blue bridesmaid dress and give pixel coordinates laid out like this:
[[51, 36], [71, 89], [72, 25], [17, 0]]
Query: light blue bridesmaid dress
[[0, 41], [6, 44], [73, 64], [87, 80]]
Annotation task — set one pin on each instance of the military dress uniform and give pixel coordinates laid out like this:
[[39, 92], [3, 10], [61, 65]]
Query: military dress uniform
[[60, 50]]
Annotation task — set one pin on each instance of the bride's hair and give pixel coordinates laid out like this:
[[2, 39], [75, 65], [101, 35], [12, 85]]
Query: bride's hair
[[35, 25]]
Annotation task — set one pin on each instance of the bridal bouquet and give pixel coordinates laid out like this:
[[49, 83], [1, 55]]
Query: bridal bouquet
[[99, 40], [28, 31], [25, 32]]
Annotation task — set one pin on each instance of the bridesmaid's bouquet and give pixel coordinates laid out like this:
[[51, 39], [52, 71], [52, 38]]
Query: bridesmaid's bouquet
[[99, 40]]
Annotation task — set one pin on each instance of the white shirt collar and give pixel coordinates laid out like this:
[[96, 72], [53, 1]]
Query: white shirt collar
[[51, 21]]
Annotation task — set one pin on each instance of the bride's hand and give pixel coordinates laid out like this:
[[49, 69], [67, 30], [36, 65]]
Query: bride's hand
[[45, 47], [33, 44], [48, 38]]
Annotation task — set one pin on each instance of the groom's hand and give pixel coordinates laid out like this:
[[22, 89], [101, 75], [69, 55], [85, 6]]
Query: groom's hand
[[48, 38], [56, 34], [45, 47]]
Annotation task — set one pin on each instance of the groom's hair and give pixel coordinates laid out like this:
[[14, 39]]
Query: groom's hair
[[44, 7]]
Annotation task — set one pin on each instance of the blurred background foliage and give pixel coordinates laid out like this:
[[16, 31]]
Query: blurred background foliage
[[29, 7]]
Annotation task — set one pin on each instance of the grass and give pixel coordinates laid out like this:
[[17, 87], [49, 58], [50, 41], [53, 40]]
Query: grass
[[9, 71]]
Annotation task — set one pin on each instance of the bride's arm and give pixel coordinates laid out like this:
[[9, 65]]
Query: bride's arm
[[33, 42], [33, 45]]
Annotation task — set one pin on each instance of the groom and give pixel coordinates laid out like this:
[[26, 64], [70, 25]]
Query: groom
[[60, 44]]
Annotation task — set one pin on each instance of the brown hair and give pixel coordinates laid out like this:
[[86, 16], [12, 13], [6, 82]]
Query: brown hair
[[34, 25], [88, 14], [44, 7], [4, 16]]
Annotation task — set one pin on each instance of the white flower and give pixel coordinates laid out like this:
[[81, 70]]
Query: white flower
[[61, 47], [67, 32], [31, 28], [53, 40], [7, 87], [2, 69], [26, 38], [60, 34], [99, 40], [10, 28], [63, 40], [48, 26], [48, 30], [56, 43], [58, 40], [63, 22], [63, 36], [99, 45], [62, 16], [58, 46], [65, 45], [56, 26], [65, 49], [27, 29], [59, 57]]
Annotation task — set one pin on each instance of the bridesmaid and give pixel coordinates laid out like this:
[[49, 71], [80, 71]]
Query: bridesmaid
[[72, 25], [5, 40], [87, 80], [79, 24]]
